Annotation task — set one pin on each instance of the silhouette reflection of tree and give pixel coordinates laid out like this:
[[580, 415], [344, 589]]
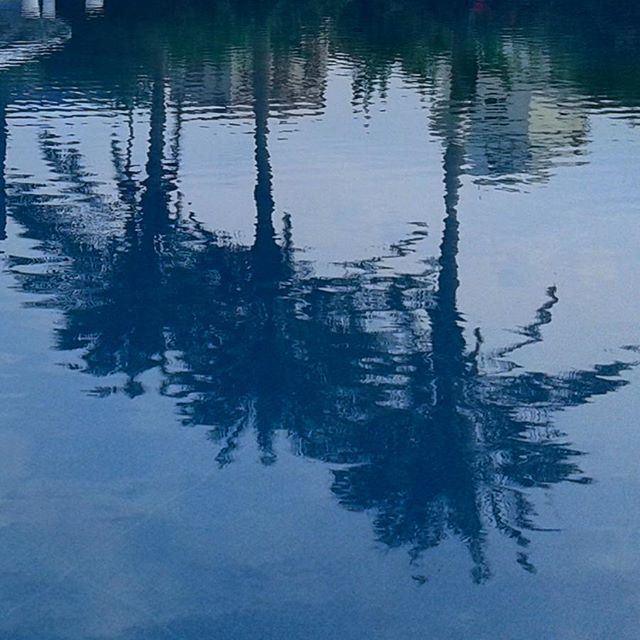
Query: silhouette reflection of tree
[[370, 370], [456, 456]]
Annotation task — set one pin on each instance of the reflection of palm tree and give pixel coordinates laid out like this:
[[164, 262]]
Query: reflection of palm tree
[[459, 459], [459, 456]]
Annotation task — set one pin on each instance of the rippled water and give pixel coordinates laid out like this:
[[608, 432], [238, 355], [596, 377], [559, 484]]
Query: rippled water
[[319, 319]]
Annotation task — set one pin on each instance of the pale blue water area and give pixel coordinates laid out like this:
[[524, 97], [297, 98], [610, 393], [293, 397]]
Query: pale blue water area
[[319, 320]]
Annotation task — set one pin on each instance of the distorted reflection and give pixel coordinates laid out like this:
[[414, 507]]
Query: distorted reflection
[[31, 8], [94, 7], [371, 371], [29, 30]]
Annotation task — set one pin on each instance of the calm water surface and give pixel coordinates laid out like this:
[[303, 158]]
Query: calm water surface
[[319, 320]]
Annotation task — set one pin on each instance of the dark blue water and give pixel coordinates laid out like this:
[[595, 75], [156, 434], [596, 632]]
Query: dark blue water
[[319, 320]]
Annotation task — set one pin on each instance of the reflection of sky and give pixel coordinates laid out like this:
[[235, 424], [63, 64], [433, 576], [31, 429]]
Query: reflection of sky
[[571, 232], [104, 516]]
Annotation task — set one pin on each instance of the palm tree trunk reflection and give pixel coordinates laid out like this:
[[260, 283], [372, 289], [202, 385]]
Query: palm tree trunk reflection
[[266, 252], [4, 132], [267, 263]]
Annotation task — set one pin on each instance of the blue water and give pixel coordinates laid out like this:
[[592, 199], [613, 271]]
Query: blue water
[[319, 320]]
